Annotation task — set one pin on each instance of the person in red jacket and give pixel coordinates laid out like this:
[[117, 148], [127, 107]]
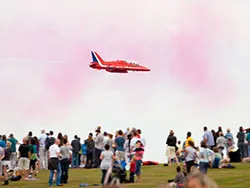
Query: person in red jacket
[[132, 170]]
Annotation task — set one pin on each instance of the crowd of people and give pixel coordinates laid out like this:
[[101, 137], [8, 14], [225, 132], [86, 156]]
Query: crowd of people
[[58, 154], [126, 148], [216, 150]]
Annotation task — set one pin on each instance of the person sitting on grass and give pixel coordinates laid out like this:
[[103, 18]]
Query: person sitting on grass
[[217, 158], [179, 180]]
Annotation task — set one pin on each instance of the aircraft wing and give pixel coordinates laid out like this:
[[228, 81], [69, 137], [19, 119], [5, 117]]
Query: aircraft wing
[[116, 69]]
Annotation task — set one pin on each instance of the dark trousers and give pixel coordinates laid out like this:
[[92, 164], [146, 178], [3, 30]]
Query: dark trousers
[[65, 169], [97, 157], [242, 149], [79, 161], [75, 159], [104, 172], [189, 165], [90, 155], [132, 177], [203, 167]]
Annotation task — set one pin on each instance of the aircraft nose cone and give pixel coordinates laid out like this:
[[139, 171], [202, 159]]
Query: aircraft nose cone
[[146, 69]]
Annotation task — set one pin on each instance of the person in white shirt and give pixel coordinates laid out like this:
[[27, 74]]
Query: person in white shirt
[[105, 138], [43, 153], [133, 141], [142, 138], [99, 140], [54, 163]]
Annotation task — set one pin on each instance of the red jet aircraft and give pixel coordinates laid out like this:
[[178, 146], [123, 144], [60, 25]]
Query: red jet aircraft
[[118, 66]]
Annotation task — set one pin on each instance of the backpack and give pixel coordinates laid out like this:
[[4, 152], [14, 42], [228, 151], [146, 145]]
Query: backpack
[[49, 141], [84, 149]]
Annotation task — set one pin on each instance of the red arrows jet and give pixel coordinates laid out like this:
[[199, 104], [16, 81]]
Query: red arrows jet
[[118, 66]]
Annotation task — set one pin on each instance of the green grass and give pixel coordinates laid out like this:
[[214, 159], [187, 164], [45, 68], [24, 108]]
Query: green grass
[[152, 177]]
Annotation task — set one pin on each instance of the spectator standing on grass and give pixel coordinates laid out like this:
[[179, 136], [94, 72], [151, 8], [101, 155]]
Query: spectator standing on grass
[[171, 144], [107, 158], [99, 140], [219, 130], [24, 157], [119, 143], [221, 143], [208, 138], [111, 142], [127, 148], [138, 153], [64, 160], [33, 158], [204, 155], [2, 141], [90, 150], [190, 155], [229, 135], [248, 141], [83, 155], [241, 142], [132, 170], [6, 162], [43, 152], [54, 163], [133, 140], [105, 138], [1, 157], [76, 147], [189, 138], [13, 156]]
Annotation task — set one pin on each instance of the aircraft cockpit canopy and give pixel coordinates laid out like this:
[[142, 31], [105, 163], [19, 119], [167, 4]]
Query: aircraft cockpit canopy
[[132, 62]]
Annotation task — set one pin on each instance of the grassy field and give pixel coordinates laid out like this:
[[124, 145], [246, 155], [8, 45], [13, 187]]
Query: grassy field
[[152, 177]]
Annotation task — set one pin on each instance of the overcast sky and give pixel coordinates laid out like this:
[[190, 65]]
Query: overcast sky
[[198, 52]]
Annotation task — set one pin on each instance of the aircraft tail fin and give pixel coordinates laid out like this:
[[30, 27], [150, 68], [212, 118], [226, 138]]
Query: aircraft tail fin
[[96, 58]]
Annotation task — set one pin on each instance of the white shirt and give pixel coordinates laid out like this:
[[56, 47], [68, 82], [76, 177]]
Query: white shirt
[[53, 150], [133, 142], [105, 139], [143, 140], [107, 159], [42, 139]]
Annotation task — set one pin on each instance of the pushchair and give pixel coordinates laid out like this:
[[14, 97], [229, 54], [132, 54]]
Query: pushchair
[[119, 172]]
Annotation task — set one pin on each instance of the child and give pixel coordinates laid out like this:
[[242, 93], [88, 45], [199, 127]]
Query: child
[[107, 158], [204, 157], [84, 155], [132, 170], [138, 152], [217, 158], [179, 180]]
